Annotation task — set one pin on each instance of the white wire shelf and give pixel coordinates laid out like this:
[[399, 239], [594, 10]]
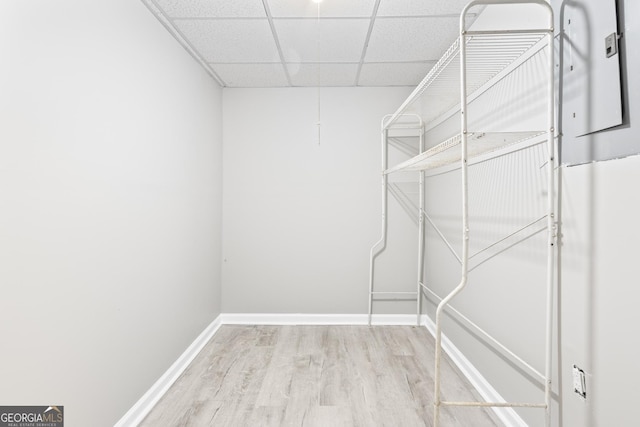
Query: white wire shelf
[[448, 152], [487, 56], [479, 67]]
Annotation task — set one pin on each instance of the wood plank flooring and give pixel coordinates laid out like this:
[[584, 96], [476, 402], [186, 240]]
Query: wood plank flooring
[[315, 376]]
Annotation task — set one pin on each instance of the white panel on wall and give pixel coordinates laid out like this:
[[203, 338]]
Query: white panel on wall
[[619, 141], [591, 97]]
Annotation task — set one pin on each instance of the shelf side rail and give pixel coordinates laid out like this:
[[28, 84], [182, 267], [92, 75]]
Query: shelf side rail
[[379, 246], [438, 402]]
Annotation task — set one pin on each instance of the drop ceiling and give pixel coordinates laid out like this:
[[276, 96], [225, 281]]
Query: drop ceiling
[[297, 43]]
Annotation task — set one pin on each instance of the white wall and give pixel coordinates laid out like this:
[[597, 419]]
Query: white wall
[[599, 290], [110, 204], [299, 218], [599, 257]]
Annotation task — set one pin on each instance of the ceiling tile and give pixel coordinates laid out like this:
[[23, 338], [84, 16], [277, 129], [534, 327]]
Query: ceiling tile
[[213, 8], [251, 75], [236, 39], [411, 39], [394, 73], [420, 8], [328, 8], [330, 74], [233, 40], [341, 40]]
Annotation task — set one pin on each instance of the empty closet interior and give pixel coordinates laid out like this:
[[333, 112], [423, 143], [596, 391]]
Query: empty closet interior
[[284, 174]]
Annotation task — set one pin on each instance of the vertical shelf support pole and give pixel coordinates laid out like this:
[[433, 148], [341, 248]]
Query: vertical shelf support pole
[[465, 215], [551, 220], [380, 244], [420, 233]]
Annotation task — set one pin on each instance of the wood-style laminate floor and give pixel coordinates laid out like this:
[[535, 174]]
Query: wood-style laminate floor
[[315, 376]]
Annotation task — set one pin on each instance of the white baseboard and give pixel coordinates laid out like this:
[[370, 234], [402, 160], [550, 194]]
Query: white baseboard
[[316, 319], [143, 406], [507, 415]]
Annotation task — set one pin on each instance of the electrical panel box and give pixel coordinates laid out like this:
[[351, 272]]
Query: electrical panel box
[[589, 66]]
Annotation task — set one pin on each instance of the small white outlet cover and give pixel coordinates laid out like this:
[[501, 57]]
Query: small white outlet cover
[[579, 382]]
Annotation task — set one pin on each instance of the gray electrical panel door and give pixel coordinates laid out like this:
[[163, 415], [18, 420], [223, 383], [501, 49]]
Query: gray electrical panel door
[[590, 68]]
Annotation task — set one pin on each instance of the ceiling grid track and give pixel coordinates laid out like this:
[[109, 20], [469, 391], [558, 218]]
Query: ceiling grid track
[[274, 43], [167, 22], [374, 14], [277, 42]]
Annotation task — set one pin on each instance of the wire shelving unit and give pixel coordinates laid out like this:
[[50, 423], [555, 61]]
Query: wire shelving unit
[[477, 61]]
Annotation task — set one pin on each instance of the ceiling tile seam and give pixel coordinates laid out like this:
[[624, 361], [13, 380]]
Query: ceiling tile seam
[[358, 18], [166, 22], [444, 15], [243, 63], [366, 40], [322, 18], [292, 63], [325, 86], [386, 85], [276, 41], [275, 18], [218, 18], [322, 63], [422, 61]]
